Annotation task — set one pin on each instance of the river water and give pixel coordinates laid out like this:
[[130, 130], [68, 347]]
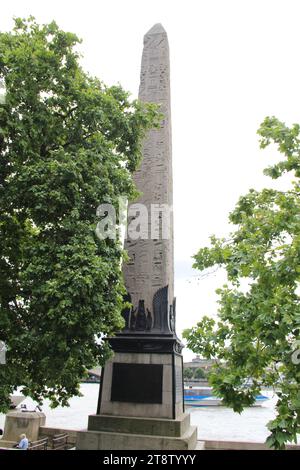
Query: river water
[[218, 423]]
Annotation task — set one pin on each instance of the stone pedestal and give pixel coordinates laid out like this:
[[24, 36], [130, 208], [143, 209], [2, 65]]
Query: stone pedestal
[[141, 399], [19, 422], [143, 384]]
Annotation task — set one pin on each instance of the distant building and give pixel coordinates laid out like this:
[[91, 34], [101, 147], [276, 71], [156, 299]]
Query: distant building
[[198, 362]]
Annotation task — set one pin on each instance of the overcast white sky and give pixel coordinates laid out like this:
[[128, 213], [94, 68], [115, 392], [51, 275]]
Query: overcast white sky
[[233, 62]]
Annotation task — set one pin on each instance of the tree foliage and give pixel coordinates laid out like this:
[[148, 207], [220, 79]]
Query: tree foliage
[[188, 373], [257, 333], [67, 144], [199, 373]]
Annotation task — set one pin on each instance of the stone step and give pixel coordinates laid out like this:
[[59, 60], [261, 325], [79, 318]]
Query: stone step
[[99, 440], [150, 426]]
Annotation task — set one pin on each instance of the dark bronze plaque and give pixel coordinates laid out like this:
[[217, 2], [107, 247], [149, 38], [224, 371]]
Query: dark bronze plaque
[[137, 383]]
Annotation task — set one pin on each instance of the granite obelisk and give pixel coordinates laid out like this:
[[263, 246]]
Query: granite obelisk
[[141, 394], [151, 265]]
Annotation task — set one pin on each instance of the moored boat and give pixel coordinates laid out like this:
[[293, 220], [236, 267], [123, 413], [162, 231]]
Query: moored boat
[[203, 397]]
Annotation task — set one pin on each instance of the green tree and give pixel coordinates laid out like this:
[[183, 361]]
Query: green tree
[[67, 144], [199, 373], [257, 334], [188, 373]]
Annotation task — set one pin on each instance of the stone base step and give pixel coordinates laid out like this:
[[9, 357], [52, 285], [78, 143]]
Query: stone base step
[[200, 445], [150, 426], [102, 440]]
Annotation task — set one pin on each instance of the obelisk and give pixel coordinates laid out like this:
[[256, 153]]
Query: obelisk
[[151, 265], [141, 402]]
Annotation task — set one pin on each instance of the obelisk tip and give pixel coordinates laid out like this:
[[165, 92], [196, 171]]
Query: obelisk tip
[[156, 29]]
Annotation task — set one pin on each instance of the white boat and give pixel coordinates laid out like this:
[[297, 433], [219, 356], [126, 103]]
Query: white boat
[[203, 397], [202, 401]]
